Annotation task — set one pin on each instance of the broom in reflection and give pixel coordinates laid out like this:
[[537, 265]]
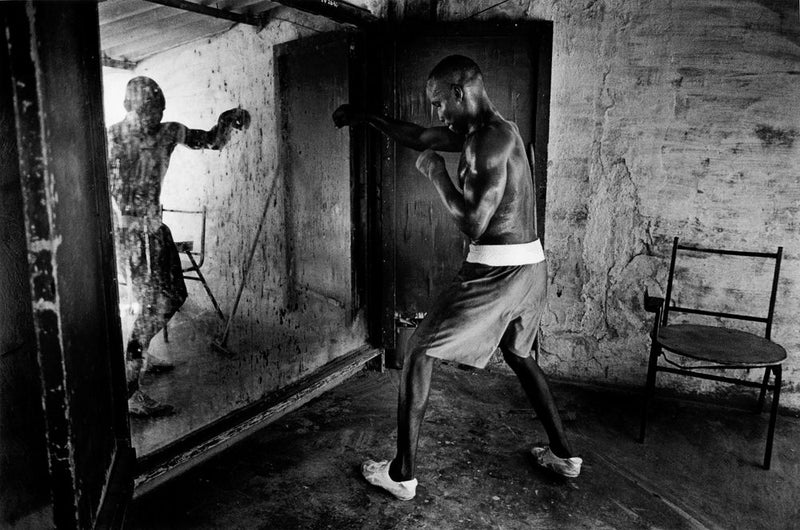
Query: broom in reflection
[[219, 344]]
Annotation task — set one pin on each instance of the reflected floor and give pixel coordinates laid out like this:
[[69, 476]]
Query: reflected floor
[[196, 387], [206, 384]]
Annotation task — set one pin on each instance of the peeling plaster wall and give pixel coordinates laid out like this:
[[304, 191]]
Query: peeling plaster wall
[[677, 118], [200, 80]]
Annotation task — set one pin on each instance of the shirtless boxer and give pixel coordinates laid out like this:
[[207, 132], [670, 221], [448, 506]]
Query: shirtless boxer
[[140, 147], [499, 294]]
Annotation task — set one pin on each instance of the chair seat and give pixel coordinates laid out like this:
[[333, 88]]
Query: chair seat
[[720, 345], [184, 246]]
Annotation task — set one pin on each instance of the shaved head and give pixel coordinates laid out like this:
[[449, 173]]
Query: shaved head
[[455, 90], [457, 70], [144, 100], [142, 93]]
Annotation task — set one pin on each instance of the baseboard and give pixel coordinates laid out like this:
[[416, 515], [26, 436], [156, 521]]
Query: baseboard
[[183, 454]]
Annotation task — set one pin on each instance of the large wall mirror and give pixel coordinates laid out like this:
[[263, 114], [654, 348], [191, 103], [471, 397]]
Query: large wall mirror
[[233, 220]]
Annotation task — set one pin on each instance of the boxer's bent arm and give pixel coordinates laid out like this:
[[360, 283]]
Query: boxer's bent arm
[[484, 184], [194, 138], [216, 137]]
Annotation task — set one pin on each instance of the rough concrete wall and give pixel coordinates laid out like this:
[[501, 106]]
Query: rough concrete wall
[[667, 118], [277, 343]]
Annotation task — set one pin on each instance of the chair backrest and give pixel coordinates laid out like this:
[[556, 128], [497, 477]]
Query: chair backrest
[[188, 225], [765, 319]]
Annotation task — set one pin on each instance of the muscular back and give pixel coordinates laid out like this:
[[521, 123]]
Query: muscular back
[[499, 145], [139, 161]]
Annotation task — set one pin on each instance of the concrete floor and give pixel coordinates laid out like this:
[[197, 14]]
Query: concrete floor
[[699, 469], [198, 388], [206, 385]]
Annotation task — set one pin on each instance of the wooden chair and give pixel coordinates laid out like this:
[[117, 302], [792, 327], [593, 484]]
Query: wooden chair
[[187, 248], [714, 347]]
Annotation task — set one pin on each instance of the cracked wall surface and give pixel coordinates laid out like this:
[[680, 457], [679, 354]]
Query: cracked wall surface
[[675, 118]]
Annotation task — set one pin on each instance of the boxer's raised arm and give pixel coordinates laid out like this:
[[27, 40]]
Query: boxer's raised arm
[[217, 136], [405, 133]]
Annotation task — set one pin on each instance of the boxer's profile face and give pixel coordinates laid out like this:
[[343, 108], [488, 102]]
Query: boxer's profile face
[[447, 101]]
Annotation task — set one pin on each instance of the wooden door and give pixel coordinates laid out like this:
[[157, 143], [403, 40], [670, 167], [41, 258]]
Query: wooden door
[[55, 79], [327, 217], [423, 248], [313, 78]]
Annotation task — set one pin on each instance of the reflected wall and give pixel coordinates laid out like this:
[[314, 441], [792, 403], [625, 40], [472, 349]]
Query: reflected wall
[[296, 309]]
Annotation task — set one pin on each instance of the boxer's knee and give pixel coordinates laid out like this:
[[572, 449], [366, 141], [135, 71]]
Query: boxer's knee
[[511, 358]]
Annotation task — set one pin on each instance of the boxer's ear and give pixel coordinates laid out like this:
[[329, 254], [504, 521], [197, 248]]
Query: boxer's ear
[[458, 92]]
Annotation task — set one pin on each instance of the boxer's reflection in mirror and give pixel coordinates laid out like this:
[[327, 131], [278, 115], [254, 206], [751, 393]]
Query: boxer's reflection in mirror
[[140, 147]]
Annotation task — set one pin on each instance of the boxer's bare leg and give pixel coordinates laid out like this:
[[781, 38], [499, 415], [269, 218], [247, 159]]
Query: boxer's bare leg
[[415, 388], [535, 385]]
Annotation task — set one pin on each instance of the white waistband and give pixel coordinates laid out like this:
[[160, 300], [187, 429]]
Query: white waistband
[[506, 255]]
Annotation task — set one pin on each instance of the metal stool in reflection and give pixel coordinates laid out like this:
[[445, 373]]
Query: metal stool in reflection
[[196, 259]]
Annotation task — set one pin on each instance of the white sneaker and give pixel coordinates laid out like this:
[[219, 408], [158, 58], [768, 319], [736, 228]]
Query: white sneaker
[[143, 406], [377, 474], [568, 467]]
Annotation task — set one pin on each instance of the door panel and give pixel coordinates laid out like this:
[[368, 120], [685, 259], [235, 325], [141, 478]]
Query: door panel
[[55, 70], [314, 78]]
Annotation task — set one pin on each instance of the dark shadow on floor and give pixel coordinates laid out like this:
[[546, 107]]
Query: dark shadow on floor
[[699, 468]]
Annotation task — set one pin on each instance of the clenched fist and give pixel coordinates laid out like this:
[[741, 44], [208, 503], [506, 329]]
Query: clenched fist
[[347, 114], [429, 162], [236, 118]]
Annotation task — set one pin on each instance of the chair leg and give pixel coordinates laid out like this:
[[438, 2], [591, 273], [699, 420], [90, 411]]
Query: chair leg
[[202, 279], [650, 386], [764, 385], [166, 331], [773, 416]]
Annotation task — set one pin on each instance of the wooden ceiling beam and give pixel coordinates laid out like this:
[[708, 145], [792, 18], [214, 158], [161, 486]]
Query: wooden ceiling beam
[[336, 10], [168, 26], [122, 64], [119, 10], [165, 37], [241, 18]]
